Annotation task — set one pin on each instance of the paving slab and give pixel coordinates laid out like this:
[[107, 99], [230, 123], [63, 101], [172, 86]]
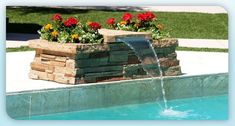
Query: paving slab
[[204, 43], [192, 63]]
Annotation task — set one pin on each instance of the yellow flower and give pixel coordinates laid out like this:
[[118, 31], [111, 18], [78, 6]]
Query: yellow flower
[[48, 27], [54, 34], [136, 24], [159, 26], [89, 22], [75, 36], [123, 22]]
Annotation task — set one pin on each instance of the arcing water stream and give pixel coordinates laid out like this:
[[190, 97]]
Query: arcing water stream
[[148, 57]]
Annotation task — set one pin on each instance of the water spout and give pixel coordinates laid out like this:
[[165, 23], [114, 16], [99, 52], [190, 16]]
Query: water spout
[[148, 58]]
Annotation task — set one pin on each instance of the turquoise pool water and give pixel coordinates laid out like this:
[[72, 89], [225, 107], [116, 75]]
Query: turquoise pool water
[[205, 108]]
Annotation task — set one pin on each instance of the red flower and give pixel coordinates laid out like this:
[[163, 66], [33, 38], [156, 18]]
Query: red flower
[[142, 17], [70, 22], [57, 17], [147, 16], [94, 25], [150, 15], [126, 17], [110, 21]]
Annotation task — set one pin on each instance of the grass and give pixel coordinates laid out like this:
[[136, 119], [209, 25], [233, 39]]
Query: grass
[[26, 48], [201, 49], [20, 49], [180, 25]]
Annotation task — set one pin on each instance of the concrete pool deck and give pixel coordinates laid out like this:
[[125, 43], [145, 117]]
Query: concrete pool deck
[[192, 63]]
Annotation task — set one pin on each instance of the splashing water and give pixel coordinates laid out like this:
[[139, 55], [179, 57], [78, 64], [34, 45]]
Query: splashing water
[[169, 112]]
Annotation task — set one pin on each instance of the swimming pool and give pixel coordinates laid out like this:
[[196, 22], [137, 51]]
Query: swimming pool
[[212, 107]]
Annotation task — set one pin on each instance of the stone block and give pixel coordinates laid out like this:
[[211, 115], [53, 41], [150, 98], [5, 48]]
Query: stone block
[[99, 54], [133, 59], [118, 46], [70, 63], [38, 66], [33, 75], [62, 54], [51, 77], [165, 42], [104, 74], [135, 69], [38, 52], [81, 55], [111, 35], [73, 80], [118, 56], [46, 56], [172, 56], [92, 62], [173, 71], [82, 71], [39, 75], [61, 59], [57, 63], [53, 46], [60, 78], [65, 70], [165, 62]]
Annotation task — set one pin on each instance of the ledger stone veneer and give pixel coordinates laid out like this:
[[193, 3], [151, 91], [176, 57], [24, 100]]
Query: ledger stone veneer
[[75, 63]]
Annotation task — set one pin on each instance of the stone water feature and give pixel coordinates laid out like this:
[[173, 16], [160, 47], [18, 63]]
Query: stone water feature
[[72, 63]]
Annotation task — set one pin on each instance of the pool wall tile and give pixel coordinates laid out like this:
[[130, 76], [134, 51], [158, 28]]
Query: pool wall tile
[[215, 85], [124, 93], [150, 91], [50, 102], [18, 105], [99, 95], [86, 97], [183, 88]]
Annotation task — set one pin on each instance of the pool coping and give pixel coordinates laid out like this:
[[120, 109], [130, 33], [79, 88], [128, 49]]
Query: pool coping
[[111, 82]]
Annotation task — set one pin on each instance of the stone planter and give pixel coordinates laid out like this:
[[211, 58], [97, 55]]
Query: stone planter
[[72, 63]]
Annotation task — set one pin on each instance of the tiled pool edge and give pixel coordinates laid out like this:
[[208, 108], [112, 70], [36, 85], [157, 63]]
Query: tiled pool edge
[[112, 93]]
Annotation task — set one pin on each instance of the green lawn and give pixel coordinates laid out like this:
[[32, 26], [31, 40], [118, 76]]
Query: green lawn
[[201, 49], [180, 25]]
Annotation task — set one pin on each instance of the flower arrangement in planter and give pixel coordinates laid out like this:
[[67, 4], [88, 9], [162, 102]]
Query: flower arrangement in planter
[[71, 31], [145, 22], [70, 52]]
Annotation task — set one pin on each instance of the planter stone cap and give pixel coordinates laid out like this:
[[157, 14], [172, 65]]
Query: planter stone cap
[[111, 35], [71, 48]]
